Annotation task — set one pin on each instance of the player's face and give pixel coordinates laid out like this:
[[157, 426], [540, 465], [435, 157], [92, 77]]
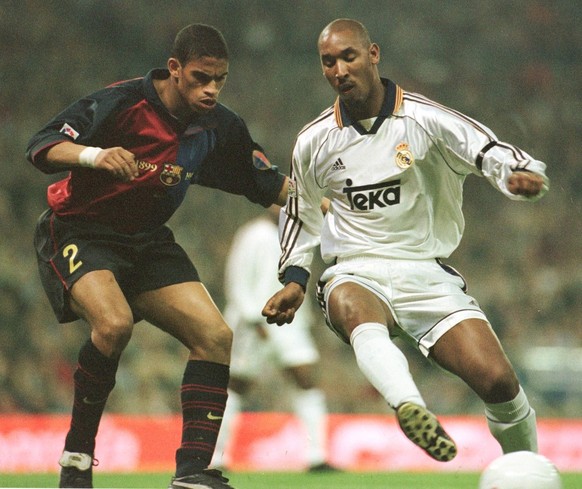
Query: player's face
[[198, 83], [349, 65]]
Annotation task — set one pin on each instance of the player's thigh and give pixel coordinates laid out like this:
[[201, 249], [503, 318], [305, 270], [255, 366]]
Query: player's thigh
[[97, 298], [350, 304], [472, 351], [187, 312], [69, 252], [303, 376]]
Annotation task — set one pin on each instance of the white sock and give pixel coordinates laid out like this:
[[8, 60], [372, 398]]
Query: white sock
[[384, 365], [310, 408], [513, 424], [221, 457]]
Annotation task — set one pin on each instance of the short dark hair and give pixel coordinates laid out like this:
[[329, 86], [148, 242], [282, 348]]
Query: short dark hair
[[197, 40]]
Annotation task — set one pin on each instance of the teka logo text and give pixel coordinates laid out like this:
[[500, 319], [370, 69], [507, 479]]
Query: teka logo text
[[369, 197]]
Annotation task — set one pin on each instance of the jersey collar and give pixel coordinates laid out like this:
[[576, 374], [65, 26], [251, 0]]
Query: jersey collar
[[391, 105]]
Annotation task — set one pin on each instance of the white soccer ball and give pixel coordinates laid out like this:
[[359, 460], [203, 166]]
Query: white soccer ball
[[520, 470]]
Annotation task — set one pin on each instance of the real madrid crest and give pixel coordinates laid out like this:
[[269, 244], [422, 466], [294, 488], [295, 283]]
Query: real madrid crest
[[404, 158]]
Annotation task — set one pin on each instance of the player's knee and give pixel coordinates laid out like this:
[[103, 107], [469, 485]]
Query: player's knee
[[344, 315], [239, 385], [215, 344], [113, 332], [303, 376], [350, 305], [222, 339], [500, 385]]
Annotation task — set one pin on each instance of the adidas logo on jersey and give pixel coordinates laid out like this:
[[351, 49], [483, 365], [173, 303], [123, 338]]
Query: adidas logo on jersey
[[368, 197], [338, 165]]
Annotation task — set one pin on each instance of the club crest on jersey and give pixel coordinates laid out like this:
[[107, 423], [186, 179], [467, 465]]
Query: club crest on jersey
[[171, 174], [69, 131], [404, 158], [260, 161]]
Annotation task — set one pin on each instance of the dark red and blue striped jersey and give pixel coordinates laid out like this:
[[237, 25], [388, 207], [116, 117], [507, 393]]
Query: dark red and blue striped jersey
[[213, 150]]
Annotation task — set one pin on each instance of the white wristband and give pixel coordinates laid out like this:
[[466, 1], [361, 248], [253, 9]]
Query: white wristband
[[88, 156]]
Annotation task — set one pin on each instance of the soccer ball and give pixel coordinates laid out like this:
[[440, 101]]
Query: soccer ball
[[521, 470]]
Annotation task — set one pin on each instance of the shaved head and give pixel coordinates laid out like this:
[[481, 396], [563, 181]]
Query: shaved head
[[349, 61], [357, 29]]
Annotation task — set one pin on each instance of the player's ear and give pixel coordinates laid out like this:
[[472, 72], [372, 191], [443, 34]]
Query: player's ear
[[374, 53], [174, 67]]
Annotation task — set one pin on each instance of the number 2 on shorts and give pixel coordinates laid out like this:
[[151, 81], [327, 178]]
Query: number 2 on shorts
[[70, 252]]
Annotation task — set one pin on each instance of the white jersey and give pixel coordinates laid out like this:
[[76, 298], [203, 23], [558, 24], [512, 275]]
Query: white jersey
[[395, 189]]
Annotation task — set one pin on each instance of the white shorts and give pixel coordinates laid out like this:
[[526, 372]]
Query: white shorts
[[286, 346], [426, 297]]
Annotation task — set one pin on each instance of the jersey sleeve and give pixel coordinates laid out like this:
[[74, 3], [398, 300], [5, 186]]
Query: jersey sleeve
[[302, 219], [239, 165], [499, 160], [471, 147], [81, 123]]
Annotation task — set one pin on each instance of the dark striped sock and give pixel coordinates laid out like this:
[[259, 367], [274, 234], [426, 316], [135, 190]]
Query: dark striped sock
[[94, 380], [203, 401]]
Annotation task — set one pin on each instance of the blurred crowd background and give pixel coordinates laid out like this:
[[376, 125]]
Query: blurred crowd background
[[515, 65]]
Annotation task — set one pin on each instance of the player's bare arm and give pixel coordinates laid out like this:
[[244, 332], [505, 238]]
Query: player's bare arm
[[525, 183], [282, 197], [117, 161], [281, 308], [324, 206]]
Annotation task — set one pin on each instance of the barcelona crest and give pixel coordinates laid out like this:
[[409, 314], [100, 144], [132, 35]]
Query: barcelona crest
[[171, 174]]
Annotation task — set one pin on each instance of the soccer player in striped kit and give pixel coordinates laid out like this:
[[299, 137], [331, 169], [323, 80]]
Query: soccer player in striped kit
[[393, 164], [105, 254]]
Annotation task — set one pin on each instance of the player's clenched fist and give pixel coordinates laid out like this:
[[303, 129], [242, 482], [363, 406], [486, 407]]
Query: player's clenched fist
[[117, 161], [525, 183], [281, 308]]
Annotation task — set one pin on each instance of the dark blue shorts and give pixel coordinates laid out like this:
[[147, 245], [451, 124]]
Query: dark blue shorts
[[68, 249]]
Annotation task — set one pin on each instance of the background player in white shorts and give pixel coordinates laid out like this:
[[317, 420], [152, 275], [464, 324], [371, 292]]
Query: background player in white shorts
[[250, 279], [393, 164]]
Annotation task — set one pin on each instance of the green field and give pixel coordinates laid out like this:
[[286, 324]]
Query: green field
[[279, 480]]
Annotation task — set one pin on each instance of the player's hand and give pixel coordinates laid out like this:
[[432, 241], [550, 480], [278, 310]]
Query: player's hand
[[261, 330], [281, 308], [119, 162], [324, 206], [525, 183]]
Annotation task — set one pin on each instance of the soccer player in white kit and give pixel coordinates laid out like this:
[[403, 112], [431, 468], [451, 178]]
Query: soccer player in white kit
[[393, 164], [250, 279]]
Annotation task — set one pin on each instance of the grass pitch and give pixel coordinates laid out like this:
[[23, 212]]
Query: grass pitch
[[283, 480]]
